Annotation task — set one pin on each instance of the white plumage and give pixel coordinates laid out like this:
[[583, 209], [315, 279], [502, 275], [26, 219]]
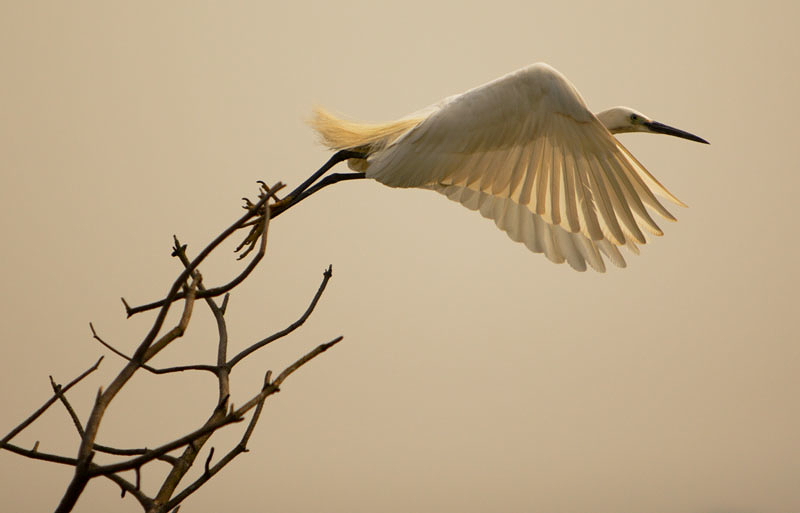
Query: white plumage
[[525, 151]]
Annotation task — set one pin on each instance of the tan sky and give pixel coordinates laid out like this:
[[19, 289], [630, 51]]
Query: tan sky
[[474, 376]]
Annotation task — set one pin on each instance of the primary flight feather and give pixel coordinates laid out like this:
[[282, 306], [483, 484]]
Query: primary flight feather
[[525, 151]]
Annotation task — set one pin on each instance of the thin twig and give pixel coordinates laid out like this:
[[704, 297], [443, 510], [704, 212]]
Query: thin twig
[[35, 415], [305, 359], [147, 349], [134, 490], [97, 447], [256, 414], [106, 344], [180, 328], [63, 460], [153, 370], [238, 449], [132, 452], [216, 291], [35, 454], [232, 417], [223, 374], [74, 416], [183, 368], [326, 276], [168, 447], [208, 460]]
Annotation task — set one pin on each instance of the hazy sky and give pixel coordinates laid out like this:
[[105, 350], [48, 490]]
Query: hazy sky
[[474, 376]]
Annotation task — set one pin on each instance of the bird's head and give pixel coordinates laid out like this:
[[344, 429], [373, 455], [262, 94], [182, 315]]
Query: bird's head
[[624, 119]]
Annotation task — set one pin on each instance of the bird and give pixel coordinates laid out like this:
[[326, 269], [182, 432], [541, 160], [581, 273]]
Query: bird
[[525, 151]]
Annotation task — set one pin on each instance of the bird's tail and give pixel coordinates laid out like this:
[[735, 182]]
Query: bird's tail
[[340, 134]]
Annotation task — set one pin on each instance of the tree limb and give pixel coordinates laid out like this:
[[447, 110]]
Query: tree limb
[[35, 415]]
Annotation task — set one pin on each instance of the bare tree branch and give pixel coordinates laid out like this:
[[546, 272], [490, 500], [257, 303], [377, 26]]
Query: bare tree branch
[[217, 291], [35, 415], [188, 287], [210, 368], [241, 447], [132, 489], [106, 344], [35, 454], [75, 420], [219, 316], [326, 276], [304, 360], [99, 448], [104, 398]]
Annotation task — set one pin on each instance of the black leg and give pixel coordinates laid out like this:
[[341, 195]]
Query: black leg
[[276, 210], [337, 157]]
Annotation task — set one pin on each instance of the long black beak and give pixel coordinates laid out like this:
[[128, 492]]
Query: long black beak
[[661, 128]]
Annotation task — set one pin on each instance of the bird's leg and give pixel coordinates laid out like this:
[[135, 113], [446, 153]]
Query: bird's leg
[[303, 191], [277, 208], [337, 157]]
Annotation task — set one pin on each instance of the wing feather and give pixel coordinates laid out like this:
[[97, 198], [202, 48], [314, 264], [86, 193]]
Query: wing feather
[[590, 252], [634, 201], [565, 241], [553, 215], [612, 253], [520, 170], [523, 195], [607, 218], [542, 177], [588, 222], [525, 151], [570, 193], [619, 202], [522, 225]]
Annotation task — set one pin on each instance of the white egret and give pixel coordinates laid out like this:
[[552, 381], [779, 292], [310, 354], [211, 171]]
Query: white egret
[[525, 151]]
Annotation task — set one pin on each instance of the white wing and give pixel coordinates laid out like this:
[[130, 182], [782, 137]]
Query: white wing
[[527, 152]]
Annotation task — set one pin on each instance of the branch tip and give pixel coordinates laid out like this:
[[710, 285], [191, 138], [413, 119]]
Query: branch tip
[[128, 309], [208, 461], [224, 307], [328, 345], [178, 250]]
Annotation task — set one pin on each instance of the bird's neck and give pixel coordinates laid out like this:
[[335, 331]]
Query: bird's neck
[[615, 120]]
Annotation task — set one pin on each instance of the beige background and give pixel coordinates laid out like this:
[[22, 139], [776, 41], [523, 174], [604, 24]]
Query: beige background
[[474, 376]]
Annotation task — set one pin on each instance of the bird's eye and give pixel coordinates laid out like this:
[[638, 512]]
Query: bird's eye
[[634, 117]]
